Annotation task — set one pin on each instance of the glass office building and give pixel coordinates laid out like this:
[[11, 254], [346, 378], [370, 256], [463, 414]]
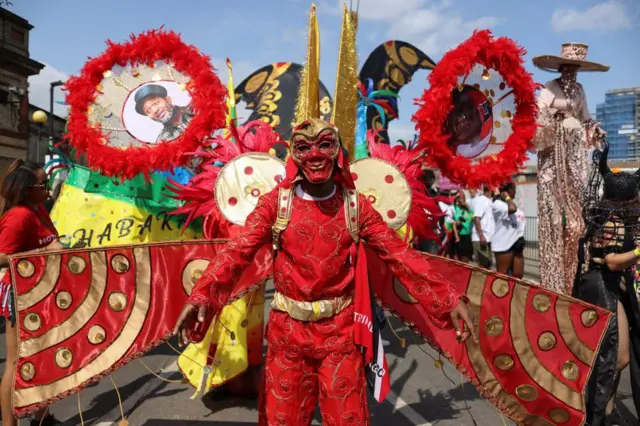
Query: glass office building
[[619, 116]]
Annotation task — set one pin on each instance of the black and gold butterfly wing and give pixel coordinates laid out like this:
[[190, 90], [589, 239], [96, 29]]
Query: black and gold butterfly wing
[[271, 92], [391, 66]]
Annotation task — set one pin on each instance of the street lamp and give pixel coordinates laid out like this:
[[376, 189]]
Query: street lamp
[[54, 84], [39, 117]]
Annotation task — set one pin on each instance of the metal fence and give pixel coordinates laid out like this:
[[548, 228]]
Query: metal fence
[[531, 239]]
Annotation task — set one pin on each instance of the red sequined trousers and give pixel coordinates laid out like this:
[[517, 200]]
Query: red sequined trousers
[[309, 363]]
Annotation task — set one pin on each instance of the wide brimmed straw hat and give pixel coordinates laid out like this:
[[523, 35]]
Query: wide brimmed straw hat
[[572, 54]]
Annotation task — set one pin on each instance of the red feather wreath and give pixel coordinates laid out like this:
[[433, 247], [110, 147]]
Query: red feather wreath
[[504, 56], [207, 93]]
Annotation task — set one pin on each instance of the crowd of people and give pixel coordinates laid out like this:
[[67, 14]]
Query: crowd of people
[[480, 227]]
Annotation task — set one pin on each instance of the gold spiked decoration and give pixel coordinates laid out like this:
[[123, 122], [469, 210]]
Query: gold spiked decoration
[[345, 97], [308, 104]]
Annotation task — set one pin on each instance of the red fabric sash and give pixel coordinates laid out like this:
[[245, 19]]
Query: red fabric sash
[[367, 332]]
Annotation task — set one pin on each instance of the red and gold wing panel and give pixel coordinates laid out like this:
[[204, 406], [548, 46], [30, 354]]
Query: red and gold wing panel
[[536, 348], [84, 313]]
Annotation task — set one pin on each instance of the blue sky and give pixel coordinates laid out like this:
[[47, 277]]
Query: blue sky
[[254, 33]]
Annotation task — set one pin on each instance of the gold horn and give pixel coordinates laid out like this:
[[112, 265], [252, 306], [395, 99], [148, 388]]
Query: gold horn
[[308, 104], [345, 97]]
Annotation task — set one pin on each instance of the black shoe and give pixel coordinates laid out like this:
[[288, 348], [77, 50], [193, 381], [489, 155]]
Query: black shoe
[[616, 419], [48, 420]]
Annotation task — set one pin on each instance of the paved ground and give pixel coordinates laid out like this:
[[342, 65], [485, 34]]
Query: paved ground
[[422, 395]]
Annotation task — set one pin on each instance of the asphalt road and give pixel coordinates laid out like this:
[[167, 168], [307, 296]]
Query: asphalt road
[[422, 394]]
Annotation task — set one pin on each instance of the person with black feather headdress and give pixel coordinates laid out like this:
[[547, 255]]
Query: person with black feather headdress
[[605, 278]]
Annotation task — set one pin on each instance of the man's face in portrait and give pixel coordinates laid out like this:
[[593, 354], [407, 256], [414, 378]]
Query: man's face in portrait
[[158, 108]]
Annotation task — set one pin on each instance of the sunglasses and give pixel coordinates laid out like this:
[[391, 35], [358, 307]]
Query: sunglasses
[[43, 184]]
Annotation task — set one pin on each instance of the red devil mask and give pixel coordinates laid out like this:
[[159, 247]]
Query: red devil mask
[[316, 152]]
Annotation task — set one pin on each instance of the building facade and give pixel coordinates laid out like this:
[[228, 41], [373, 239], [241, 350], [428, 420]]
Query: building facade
[[619, 116], [16, 67]]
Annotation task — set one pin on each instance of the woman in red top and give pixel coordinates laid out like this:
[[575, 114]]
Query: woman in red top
[[25, 227]]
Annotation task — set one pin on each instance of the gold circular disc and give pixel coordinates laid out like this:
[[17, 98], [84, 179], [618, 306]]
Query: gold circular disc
[[500, 288], [63, 357], [120, 263], [192, 273], [63, 300], [547, 341], [559, 415], [527, 393], [117, 302], [32, 322], [243, 180], [570, 371], [27, 371], [494, 326], [385, 187], [26, 269], [76, 265], [97, 335], [503, 362], [541, 302], [589, 317]]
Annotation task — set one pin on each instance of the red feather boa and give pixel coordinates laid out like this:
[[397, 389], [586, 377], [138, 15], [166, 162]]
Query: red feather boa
[[207, 93], [506, 57]]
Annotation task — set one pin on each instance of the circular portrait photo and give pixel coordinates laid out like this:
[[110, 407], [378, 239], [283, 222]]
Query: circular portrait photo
[[157, 111], [470, 122]]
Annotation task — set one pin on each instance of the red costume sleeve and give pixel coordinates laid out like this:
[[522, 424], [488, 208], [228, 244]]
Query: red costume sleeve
[[15, 230], [216, 284], [435, 293]]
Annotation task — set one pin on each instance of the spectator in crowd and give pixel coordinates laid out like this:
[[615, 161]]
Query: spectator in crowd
[[445, 202], [429, 179], [430, 246], [508, 242], [473, 197], [483, 228], [462, 226]]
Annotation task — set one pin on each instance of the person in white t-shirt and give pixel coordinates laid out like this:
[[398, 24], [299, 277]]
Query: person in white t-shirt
[[483, 228], [508, 242], [446, 206]]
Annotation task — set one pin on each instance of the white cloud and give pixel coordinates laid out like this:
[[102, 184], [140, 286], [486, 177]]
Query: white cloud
[[608, 16], [437, 28], [401, 130], [39, 86], [374, 10]]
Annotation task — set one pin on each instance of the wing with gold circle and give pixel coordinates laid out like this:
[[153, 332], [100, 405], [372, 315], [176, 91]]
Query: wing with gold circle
[[536, 348], [84, 313], [391, 66], [271, 93]]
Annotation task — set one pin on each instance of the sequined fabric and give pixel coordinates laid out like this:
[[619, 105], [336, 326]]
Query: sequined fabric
[[562, 144], [318, 361]]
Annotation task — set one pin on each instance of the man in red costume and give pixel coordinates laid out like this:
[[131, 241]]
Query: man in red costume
[[317, 223]]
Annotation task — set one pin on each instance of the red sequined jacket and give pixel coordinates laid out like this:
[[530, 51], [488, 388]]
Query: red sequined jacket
[[314, 261]]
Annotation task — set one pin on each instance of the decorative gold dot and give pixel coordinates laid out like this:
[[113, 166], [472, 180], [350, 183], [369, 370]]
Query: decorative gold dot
[[63, 299], [559, 415], [76, 265], [527, 393], [541, 302], [27, 371], [503, 362], [589, 317], [500, 287], [192, 273], [498, 124], [117, 302], [32, 322], [97, 335], [120, 263], [244, 323], [26, 269], [494, 326], [63, 357], [547, 341], [570, 371], [195, 275]]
